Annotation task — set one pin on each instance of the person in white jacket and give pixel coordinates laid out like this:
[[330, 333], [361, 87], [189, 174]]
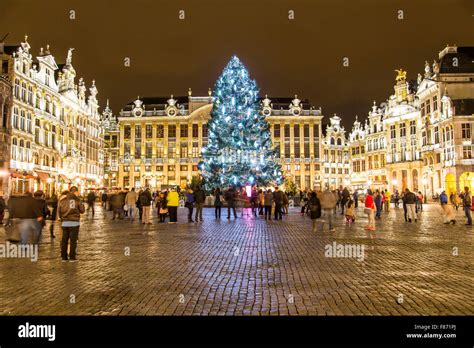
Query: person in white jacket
[[131, 202]]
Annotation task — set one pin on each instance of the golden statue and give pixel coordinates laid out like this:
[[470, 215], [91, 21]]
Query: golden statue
[[401, 75]]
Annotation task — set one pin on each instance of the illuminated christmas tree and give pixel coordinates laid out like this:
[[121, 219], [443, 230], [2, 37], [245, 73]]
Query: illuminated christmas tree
[[239, 151]]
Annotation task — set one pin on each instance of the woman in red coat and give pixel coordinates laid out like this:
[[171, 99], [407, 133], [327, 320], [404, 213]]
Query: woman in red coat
[[370, 210]]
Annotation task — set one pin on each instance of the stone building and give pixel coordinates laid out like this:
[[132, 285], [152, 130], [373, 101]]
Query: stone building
[[160, 139], [56, 136], [5, 130]]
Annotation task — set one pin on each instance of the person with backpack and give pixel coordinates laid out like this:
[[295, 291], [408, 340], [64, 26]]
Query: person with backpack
[[145, 201], [190, 204], [200, 199], [218, 202], [467, 205], [69, 211], [314, 209]]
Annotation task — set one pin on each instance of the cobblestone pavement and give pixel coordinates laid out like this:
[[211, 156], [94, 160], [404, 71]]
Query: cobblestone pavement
[[248, 267]]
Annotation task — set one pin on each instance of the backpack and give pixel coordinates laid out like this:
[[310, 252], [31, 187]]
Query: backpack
[[144, 199]]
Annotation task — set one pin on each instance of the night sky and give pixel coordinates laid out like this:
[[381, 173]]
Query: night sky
[[302, 56]]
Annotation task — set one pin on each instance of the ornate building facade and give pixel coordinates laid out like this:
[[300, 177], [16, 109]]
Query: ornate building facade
[[160, 139], [5, 130], [336, 165], [421, 138], [56, 134]]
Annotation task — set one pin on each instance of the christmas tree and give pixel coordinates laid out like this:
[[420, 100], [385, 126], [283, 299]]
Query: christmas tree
[[239, 151]]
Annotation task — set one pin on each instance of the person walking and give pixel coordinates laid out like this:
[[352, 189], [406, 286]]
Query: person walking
[[370, 210], [26, 212], [131, 203], [350, 215], [190, 204], [328, 202], [218, 202], [267, 202], [172, 203], [448, 210], [200, 199], [420, 201], [314, 210], [230, 197], [396, 199], [467, 205], [90, 202], [386, 200], [145, 201], [69, 211], [409, 199], [378, 200]]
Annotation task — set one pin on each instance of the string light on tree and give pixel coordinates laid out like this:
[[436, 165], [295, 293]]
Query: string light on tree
[[240, 151]]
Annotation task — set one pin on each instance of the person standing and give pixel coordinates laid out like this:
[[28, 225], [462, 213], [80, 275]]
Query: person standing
[[420, 201], [396, 199], [90, 202], [200, 199], [278, 199], [328, 202], [448, 210], [145, 201], [285, 202], [355, 196], [70, 210], [2, 208], [163, 206], [467, 205], [267, 202], [104, 199], [218, 202], [370, 210], [172, 203], [314, 209], [131, 203], [386, 200], [378, 200], [443, 198], [409, 199], [39, 196], [190, 204], [230, 196], [344, 198], [261, 201]]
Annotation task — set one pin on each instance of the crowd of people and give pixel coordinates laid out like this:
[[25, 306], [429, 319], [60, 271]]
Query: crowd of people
[[29, 212]]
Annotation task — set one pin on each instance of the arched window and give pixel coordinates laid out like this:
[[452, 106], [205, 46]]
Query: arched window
[[15, 118], [415, 179], [14, 149], [339, 142], [36, 158], [332, 141], [17, 88], [53, 162], [23, 91]]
